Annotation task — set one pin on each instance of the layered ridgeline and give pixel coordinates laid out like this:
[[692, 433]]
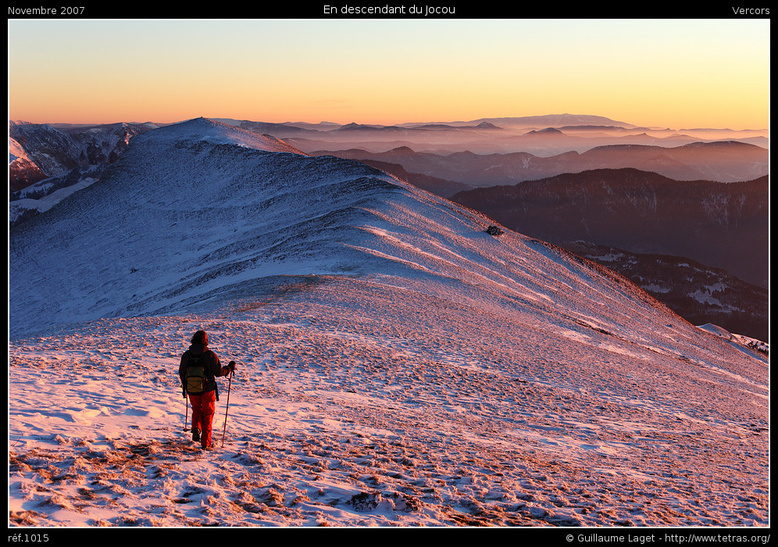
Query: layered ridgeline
[[398, 364]]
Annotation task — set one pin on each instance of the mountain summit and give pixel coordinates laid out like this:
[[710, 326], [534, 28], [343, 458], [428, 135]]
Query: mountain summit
[[399, 362], [215, 132]]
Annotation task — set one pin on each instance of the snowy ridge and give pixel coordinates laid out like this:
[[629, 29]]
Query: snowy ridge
[[215, 132], [397, 364], [175, 192]]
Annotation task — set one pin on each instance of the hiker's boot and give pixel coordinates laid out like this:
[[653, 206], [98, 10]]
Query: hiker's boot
[[195, 435]]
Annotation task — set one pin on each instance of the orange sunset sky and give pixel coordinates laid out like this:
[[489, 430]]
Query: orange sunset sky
[[657, 73]]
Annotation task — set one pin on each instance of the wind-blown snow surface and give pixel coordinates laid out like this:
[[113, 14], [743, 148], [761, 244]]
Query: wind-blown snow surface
[[396, 364]]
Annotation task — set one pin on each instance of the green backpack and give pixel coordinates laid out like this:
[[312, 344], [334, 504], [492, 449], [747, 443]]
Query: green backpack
[[195, 374]]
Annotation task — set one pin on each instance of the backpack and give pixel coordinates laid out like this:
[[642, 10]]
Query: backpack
[[195, 374]]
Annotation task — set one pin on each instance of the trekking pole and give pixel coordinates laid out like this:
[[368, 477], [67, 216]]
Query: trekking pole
[[186, 414], [227, 408]]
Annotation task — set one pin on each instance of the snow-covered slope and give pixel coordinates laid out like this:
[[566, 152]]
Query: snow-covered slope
[[187, 211], [20, 166], [397, 364]]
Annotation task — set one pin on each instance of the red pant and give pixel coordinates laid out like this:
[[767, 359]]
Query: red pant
[[203, 409]]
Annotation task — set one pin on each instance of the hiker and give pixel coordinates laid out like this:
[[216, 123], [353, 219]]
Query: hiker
[[198, 371]]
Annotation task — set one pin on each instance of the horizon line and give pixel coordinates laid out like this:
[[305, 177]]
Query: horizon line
[[384, 124]]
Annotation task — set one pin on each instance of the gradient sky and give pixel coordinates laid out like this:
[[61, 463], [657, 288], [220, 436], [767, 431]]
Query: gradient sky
[[660, 73]]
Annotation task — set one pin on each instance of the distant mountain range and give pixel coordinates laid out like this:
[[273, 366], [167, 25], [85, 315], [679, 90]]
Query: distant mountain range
[[554, 120], [491, 150], [719, 224], [724, 161], [539, 135]]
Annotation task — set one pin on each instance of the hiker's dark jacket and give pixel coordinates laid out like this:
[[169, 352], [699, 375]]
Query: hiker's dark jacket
[[212, 365]]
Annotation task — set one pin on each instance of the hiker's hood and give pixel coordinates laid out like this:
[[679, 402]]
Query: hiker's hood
[[197, 349]]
